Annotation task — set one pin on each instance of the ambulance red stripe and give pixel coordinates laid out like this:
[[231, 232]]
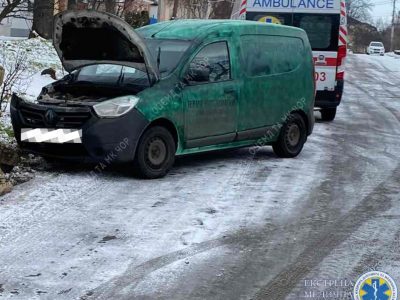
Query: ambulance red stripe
[[343, 40]]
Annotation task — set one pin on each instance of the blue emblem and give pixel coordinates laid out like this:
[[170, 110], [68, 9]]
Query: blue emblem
[[375, 291], [375, 285]]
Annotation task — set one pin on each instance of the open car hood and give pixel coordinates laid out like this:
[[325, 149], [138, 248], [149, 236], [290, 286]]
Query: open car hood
[[83, 38]]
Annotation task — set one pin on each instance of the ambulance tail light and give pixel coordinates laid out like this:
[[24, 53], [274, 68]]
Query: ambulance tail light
[[342, 52]]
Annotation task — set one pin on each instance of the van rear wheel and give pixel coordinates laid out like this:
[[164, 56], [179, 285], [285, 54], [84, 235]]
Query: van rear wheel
[[292, 137], [328, 114], [155, 154]]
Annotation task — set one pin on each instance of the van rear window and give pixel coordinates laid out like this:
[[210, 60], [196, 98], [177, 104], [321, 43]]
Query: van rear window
[[264, 55]]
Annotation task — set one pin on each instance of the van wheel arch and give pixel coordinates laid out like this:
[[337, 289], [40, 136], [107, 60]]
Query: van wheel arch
[[156, 149], [292, 136], [170, 126], [305, 119]]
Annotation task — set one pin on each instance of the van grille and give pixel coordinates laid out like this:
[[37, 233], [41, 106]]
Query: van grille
[[60, 118]]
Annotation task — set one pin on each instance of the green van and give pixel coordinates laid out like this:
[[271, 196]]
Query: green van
[[168, 89]]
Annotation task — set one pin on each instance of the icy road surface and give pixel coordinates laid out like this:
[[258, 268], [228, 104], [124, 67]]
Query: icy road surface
[[221, 225]]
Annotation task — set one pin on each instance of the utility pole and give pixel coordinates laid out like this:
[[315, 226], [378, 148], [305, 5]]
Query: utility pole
[[393, 26]]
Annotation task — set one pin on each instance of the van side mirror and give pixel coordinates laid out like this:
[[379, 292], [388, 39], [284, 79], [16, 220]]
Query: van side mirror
[[198, 75]]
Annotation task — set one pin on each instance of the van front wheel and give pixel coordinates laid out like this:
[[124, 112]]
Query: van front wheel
[[155, 154], [292, 137]]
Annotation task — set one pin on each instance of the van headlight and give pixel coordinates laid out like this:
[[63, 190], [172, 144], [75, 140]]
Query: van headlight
[[116, 107]]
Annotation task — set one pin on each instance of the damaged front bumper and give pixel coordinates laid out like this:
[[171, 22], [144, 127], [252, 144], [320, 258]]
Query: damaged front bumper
[[76, 133]]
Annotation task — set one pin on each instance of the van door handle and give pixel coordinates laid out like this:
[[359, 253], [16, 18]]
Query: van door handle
[[229, 90]]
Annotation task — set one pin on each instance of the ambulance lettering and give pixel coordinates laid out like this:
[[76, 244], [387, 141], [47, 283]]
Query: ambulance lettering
[[302, 4]]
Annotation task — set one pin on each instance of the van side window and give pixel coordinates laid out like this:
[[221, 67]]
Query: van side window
[[269, 55], [211, 64]]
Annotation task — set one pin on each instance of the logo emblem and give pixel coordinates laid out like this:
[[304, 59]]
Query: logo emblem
[[51, 117], [375, 285], [271, 20]]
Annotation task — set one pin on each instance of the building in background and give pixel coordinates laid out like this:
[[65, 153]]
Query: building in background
[[118, 7], [21, 26], [18, 27]]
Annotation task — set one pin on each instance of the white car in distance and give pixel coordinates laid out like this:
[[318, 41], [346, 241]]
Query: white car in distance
[[376, 48]]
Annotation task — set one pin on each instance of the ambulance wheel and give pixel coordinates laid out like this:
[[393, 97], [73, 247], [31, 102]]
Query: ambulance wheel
[[292, 137], [328, 114], [155, 154]]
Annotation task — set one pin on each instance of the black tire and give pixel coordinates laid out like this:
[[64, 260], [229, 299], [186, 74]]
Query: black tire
[[328, 114], [292, 137], [155, 154]]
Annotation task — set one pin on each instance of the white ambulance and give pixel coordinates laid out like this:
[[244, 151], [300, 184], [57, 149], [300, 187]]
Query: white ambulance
[[325, 22]]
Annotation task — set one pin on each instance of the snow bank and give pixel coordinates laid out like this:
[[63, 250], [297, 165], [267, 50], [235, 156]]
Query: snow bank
[[40, 55]]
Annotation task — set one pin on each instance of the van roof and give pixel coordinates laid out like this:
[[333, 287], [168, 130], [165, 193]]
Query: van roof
[[192, 29]]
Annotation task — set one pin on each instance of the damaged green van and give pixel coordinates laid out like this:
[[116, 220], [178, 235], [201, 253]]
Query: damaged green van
[[173, 88]]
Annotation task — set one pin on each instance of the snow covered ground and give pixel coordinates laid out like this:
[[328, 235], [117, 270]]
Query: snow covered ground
[[40, 55], [221, 225]]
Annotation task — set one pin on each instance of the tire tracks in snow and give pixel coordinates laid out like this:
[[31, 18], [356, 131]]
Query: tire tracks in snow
[[332, 236]]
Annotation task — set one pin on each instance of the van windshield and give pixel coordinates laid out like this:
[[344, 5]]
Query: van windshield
[[376, 44], [112, 75], [167, 53]]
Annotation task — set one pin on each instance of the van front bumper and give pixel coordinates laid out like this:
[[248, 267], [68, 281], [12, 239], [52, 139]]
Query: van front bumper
[[112, 140]]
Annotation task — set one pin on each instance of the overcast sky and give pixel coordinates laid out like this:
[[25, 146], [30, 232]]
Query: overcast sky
[[383, 8]]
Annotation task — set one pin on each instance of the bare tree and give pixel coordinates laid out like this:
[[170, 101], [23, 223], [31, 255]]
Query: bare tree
[[197, 9], [175, 9], [71, 4], [221, 9], [16, 73], [110, 6], [14, 9], [381, 24], [359, 9], [43, 12]]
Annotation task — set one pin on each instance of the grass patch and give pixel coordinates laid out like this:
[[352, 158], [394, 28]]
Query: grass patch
[[7, 130]]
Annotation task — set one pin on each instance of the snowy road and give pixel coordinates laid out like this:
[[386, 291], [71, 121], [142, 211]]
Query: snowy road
[[221, 225]]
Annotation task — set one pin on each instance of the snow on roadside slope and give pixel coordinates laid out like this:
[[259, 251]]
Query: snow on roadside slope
[[40, 55]]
